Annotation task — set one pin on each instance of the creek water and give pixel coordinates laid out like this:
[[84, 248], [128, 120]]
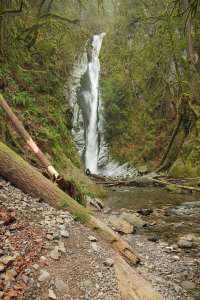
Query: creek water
[[171, 220]]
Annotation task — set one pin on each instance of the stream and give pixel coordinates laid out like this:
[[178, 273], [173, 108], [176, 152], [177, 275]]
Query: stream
[[169, 220]]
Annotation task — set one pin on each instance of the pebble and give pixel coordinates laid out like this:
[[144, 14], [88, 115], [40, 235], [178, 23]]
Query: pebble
[[56, 235], [92, 238], [7, 260], [94, 246], [109, 262], [54, 254], [61, 246], [2, 267], [52, 295], [44, 275], [61, 286], [188, 285], [64, 233], [25, 278], [36, 266]]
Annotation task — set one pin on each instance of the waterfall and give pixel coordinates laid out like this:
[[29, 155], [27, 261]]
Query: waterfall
[[91, 97], [88, 131]]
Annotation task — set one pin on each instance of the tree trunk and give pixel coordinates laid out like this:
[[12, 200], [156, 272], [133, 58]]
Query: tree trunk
[[29, 180], [5, 24], [24, 134], [190, 51]]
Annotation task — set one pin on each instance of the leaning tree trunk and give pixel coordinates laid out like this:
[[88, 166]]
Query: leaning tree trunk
[[27, 138], [29, 180]]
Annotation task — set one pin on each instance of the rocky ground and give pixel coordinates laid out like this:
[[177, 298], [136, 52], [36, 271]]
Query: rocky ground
[[172, 269], [45, 254]]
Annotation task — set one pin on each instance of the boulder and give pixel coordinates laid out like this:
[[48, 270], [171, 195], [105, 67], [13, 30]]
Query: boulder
[[185, 242], [145, 212], [133, 219], [121, 225]]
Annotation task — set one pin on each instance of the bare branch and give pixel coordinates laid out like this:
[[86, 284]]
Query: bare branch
[[57, 17]]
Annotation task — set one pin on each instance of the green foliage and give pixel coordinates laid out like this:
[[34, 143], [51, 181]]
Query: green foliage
[[146, 79], [22, 99]]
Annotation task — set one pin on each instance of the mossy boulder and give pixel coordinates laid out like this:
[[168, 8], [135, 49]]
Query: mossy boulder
[[143, 169], [181, 169]]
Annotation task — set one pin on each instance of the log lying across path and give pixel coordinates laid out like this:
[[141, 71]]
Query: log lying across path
[[21, 174]]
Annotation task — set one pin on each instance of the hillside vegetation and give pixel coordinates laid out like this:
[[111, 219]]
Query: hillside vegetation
[[40, 41], [150, 85]]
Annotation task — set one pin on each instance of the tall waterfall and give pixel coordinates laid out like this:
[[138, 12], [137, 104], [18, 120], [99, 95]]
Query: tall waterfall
[[90, 97], [88, 129]]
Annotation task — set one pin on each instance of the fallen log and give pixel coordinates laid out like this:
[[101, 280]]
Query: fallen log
[[131, 285], [147, 181], [21, 174]]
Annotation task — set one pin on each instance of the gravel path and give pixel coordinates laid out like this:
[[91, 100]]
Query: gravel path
[[45, 254]]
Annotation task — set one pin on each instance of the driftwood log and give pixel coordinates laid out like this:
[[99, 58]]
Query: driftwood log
[[28, 179]]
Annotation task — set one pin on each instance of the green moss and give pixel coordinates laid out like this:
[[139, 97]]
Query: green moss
[[81, 216], [63, 204]]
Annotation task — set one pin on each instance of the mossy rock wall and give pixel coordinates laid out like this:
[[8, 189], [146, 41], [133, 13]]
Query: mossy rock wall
[[188, 163]]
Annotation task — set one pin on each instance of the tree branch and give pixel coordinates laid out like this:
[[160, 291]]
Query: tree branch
[[57, 17]]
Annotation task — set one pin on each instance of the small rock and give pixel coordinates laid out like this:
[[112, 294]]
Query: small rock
[[25, 278], [54, 254], [2, 267], [52, 295], [92, 238], [36, 266], [56, 235], [61, 286], [94, 246], [145, 212], [49, 237], [1, 294], [153, 238], [61, 247], [7, 260], [87, 283], [44, 275], [109, 262], [188, 285], [183, 243], [64, 233]]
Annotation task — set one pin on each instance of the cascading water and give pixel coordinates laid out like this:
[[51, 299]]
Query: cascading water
[[88, 129], [90, 98]]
